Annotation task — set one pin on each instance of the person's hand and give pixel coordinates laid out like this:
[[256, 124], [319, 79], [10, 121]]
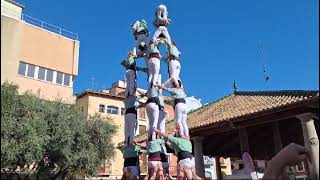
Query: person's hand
[[292, 154]]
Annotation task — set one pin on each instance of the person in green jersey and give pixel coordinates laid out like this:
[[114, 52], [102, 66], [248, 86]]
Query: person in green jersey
[[182, 148], [131, 161], [153, 149]]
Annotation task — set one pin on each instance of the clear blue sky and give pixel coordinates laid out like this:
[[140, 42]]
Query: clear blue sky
[[218, 40]]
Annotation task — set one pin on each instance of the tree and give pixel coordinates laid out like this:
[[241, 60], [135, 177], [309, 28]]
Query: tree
[[52, 137], [23, 130]]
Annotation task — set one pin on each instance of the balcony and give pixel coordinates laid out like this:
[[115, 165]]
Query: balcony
[[38, 23]]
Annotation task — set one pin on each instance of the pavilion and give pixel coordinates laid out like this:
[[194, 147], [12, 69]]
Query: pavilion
[[259, 122]]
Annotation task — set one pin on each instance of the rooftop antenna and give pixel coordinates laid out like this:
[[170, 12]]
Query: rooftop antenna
[[235, 86], [92, 79], [265, 72]]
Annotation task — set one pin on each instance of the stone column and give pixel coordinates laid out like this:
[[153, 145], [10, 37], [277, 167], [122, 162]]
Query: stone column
[[311, 142], [276, 137], [244, 142], [198, 155]]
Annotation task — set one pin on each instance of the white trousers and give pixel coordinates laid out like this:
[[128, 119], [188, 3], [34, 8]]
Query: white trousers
[[187, 163], [162, 30], [180, 113], [174, 69], [154, 70], [140, 38], [162, 121], [130, 124], [131, 82], [153, 117]]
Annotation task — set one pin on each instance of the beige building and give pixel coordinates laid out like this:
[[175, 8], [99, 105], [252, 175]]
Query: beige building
[[36, 55], [110, 103]]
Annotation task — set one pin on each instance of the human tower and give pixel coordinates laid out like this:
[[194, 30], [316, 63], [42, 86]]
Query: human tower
[[179, 141]]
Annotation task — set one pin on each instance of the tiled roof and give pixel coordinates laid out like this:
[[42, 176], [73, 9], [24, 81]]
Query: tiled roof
[[246, 103], [243, 104], [100, 93]]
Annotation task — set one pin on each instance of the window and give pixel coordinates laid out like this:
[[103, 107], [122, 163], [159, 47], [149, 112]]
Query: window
[[300, 167], [59, 78], [66, 80], [112, 110], [142, 129], [142, 113], [30, 72], [49, 75], [101, 108], [22, 68], [41, 73], [123, 111]]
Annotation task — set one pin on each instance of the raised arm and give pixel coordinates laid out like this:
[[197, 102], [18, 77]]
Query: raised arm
[[145, 70], [139, 144], [167, 81], [163, 134], [162, 87], [141, 92], [159, 13]]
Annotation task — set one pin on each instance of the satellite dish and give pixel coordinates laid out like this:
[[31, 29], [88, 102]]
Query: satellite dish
[[192, 103]]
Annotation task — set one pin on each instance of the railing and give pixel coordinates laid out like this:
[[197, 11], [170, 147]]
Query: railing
[[44, 25]]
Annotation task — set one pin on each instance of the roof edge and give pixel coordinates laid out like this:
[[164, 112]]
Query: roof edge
[[87, 92], [16, 3], [279, 92], [208, 104]]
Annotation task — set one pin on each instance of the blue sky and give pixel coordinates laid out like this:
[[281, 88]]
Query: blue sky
[[218, 40]]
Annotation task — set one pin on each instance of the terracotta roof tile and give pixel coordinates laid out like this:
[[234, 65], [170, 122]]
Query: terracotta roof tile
[[245, 103], [242, 104]]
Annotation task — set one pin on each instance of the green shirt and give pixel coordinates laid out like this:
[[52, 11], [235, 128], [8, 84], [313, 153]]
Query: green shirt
[[130, 61], [174, 51], [179, 144], [131, 151], [154, 146]]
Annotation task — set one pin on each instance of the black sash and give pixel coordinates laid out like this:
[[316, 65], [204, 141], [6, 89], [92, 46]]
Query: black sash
[[155, 155], [132, 161], [184, 155], [154, 100], [131, 110], [181, 100], [164, 157]]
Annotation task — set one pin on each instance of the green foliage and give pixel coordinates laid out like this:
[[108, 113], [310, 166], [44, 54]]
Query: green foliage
[[53, 135]]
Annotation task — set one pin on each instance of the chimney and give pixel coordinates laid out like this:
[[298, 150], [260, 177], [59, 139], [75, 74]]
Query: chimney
[[119, 83], [117, 87]]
